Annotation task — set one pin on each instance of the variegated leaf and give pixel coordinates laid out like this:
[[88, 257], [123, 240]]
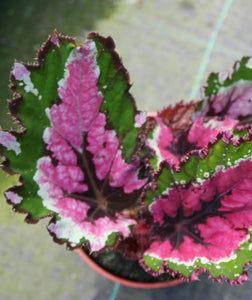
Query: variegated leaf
[[76, 152], [229, 96], [202, 214]]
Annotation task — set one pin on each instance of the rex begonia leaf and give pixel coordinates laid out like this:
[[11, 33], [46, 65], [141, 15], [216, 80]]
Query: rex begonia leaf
[[81, 131], [229, 97], [202, 213], [172, 138]]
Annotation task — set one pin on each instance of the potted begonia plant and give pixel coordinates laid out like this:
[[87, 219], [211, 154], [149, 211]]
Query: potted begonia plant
[[146, 198]]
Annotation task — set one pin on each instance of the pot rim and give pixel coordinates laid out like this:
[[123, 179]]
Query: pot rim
[[126, 282]]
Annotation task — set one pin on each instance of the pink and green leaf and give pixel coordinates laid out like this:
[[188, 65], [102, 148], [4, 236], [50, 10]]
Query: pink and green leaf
[[173, 137], [229, 96], [225, 152], [76, 153], [118, 103], [202, 214]]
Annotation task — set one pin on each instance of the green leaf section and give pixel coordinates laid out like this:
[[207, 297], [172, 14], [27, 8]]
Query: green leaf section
[[154, 263], [154, 162], [232, 269], [111, 239], [118, 103], [195, 170], [31, 111]]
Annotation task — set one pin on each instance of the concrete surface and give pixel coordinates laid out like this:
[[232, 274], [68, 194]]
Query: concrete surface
[[163, 44]]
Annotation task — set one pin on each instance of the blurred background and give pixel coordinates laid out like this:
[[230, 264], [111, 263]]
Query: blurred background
[[168, 47]]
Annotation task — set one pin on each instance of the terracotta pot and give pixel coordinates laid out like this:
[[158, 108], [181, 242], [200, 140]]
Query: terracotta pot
[[126, 282]]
